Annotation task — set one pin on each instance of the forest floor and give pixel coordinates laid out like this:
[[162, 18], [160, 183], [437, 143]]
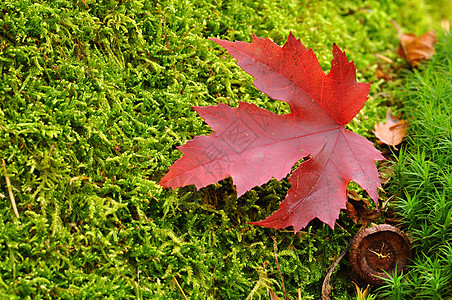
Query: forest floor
[[95, 96]]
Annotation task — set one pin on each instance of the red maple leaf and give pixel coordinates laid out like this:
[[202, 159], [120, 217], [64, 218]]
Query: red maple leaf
[[252, 145]]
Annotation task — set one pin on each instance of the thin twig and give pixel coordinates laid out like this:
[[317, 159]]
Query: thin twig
[[277, 266], [326, 288], [138, 276], [385, 58], [180, 288], [10, 191]]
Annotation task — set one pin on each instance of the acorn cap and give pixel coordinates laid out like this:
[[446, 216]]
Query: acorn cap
[[377, 250]]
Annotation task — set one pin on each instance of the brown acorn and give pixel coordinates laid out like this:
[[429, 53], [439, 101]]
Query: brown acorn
[[377, 250]]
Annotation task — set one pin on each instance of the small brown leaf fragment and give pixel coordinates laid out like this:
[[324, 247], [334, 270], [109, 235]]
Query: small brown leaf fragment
[[351, 212], [357, 209], [392, 131], [384, 68], [386, 171], [354, 196], [383, 74], [416, 48]]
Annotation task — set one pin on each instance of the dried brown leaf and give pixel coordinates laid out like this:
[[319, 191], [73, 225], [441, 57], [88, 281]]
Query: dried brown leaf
[[392, 131], [416, 48]]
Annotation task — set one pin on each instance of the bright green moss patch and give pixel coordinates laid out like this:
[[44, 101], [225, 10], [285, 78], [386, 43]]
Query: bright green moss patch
[[94, 98], [424, 177]]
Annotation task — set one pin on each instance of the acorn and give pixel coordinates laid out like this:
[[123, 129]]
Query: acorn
[[379, 249]]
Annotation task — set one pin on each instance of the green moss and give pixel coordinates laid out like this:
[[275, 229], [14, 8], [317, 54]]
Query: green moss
[[95, 96], [423, 182]]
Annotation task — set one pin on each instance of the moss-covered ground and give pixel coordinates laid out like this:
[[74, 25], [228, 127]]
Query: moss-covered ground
[[423, 181], [95, 96]]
